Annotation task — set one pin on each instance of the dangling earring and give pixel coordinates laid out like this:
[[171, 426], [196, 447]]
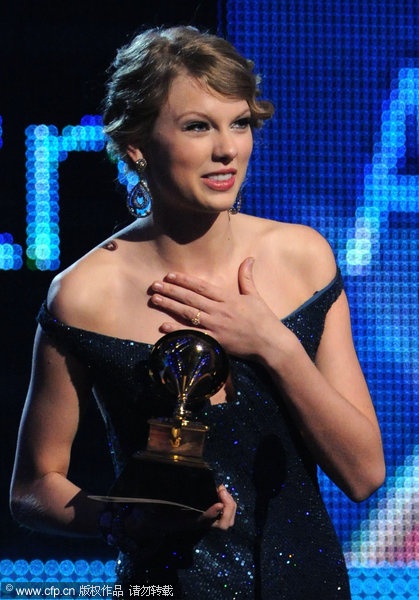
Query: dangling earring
[[237, 204], [139, 198]]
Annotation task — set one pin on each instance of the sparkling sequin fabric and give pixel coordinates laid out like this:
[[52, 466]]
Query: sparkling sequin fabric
[[283, 545]]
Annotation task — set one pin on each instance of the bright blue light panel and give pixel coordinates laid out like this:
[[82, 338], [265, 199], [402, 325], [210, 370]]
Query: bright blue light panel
[[10, 253], [341, 155], [45, 149], [97, 577]]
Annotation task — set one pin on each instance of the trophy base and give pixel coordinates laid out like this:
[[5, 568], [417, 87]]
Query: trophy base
[[171, 479]]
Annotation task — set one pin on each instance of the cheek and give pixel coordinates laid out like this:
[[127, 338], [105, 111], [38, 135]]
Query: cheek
[[188, 161], [175, 171], [165, 162], [245, 147], [249, 146]]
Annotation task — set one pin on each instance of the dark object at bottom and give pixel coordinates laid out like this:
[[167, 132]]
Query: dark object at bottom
[[180, 480]]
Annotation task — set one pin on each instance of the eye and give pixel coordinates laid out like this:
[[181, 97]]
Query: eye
[[242, 123], [196, 126]]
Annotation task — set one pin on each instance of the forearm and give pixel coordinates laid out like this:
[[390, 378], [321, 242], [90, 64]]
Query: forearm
[[53, 504], [344, 441]]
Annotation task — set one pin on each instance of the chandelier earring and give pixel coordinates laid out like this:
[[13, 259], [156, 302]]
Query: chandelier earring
[[139, 198], [237, 204]]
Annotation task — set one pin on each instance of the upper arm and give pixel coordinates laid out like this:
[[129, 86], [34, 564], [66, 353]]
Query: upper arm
[[337, 360], [58, 387], [59, 384], [336, 357]]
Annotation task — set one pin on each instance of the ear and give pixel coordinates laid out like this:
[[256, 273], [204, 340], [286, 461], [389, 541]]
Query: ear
[[134, 153]]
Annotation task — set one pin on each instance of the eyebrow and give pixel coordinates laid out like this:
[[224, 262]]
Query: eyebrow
[[197, 113]]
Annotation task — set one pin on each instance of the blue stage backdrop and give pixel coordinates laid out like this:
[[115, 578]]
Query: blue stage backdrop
[[341, 155]]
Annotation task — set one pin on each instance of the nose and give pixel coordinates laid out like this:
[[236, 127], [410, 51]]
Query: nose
[[225, 147]]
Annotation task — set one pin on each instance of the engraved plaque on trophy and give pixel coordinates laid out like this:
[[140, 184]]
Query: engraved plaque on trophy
[[192, 366]]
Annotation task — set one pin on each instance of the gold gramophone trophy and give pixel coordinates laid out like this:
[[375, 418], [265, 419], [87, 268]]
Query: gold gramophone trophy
[[191, 366]]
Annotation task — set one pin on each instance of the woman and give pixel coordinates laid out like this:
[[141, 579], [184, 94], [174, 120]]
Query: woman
[[181, 108]]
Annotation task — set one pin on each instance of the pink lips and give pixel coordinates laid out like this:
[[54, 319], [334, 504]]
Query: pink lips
[[220, 181]]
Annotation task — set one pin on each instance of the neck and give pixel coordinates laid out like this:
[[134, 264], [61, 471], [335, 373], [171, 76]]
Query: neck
[[185, 241]]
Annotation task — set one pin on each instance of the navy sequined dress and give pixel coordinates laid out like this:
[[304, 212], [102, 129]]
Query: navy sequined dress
[[283, 545]]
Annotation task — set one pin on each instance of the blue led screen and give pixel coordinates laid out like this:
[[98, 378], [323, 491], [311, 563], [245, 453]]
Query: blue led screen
[[341, 155]]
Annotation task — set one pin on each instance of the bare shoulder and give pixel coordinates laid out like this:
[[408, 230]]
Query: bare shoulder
[[86, 291], [309, 252], [299, 249]]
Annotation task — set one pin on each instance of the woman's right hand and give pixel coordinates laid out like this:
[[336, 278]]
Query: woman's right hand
[[222, 514], [142, 528]]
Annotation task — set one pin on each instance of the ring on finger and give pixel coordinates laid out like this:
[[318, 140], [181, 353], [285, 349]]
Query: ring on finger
[[195, 321]]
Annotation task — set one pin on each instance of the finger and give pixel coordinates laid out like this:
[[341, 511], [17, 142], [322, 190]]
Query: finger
[[168, 327], [229, 509], [213, 512], [223, 513], [197, 285], [245, 276], [190, 315], [180, 294]]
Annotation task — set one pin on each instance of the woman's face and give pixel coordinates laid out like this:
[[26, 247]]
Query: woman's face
[[199, 148]]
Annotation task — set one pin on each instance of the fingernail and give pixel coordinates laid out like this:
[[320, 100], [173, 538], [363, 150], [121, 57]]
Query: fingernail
[[156, 298], [171, 276], [157, 285]]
